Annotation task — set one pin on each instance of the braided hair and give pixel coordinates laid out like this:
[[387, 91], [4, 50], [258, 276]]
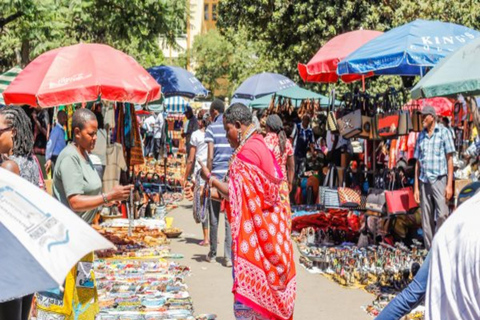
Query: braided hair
[[274, 122], [23, 139]]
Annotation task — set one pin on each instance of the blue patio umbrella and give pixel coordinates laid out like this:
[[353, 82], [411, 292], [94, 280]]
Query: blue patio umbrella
[[262, 84], [176, 81], [407, 50]]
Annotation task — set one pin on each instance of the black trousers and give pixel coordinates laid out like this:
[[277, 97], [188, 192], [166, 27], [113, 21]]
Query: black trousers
[[17, 309]]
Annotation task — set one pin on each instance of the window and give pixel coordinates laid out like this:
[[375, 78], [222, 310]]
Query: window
[[214, 12], [205, 12]]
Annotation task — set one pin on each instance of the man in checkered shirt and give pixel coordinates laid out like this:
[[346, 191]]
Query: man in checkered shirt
[[433, 173]]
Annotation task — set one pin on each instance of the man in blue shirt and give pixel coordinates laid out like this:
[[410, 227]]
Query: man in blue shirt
[[56, 142], [219, 154], [433, 173]]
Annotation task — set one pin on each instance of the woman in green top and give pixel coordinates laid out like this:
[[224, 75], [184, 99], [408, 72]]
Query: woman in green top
[[76, 182], [77, 185]]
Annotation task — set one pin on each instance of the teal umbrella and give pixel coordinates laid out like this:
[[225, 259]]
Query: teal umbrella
[[296, 94], [261, 103], [457, 73]]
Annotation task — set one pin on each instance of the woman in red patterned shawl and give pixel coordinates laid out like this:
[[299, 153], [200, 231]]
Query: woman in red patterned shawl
[[264, 285]]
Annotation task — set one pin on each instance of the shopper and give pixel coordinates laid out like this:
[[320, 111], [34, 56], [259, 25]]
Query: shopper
[[41, 134], [158, 136], [454, 277], [304, 141], [282, 149], [56, 142], [219, 154], [192, 126], [149, 126], [433, 173], [16, 148], [77, 185], [199, 152], [257, 206]]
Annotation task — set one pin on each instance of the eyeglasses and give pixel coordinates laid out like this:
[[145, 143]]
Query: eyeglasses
[[5, 130]]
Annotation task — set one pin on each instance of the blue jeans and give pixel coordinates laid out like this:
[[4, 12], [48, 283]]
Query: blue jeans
[[410, 297]]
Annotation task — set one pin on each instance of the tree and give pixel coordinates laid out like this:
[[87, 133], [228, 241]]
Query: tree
[[33, 27], [211, 53], [293, 31]]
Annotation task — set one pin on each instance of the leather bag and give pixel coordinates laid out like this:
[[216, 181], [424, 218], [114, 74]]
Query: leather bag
[[417, 125], [350, 125], [376, 201], [400, 201], [349, 198], [405, 123], [374, 129], [366, 127], [388, 125]]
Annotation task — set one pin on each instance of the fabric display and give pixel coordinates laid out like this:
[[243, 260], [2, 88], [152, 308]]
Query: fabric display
[[115, 164]]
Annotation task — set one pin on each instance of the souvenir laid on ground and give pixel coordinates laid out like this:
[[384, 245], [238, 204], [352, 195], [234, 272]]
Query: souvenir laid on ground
[[172, 232], [142, 289]]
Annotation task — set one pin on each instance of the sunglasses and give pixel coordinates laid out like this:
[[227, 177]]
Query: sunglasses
[[5, 130]]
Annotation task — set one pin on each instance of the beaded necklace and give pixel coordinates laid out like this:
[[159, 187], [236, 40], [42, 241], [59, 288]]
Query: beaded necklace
[[251, 130]]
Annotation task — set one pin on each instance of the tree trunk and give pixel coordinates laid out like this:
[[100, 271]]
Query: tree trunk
[[25, 53]]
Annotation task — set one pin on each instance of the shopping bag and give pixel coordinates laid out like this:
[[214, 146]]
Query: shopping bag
[[400, 201], [366, 127], [405, 123]]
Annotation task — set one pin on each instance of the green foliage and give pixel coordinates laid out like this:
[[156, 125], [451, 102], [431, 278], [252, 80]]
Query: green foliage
[[225, 61], [132, 26], [293, 31], [211, 53]]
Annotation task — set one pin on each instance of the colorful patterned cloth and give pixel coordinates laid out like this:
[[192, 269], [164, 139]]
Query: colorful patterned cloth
[[273, 144], [259, 214]]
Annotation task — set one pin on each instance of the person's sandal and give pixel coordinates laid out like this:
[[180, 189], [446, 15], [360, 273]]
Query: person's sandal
[[204, 243]]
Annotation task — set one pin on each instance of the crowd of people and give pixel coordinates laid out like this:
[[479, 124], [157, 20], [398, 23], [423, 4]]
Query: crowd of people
[[246, 166]]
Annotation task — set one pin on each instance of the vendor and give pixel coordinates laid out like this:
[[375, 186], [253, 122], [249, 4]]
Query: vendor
[[304, 142], [77, 185]]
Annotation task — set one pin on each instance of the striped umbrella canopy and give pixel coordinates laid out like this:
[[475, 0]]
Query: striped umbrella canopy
[[5, 80], [175, 104]]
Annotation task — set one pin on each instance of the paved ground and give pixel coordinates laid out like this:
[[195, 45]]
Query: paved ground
[[210, 283]]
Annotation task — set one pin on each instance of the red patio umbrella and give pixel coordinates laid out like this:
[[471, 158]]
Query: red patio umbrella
[[443, 106], [82, 73], [323, 66]]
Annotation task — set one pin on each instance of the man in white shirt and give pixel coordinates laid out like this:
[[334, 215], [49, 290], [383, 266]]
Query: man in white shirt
[[453, 290], [148, 125]]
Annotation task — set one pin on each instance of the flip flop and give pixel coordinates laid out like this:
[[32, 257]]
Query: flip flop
[[204, 243]]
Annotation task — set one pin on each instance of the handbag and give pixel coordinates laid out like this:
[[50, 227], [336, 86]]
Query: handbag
[[400, 201], [388, 125], [350, 125], [331, 119], [376, 200], [374, 129], [349, 198], [328, 195], [405, 123], [366, 127]]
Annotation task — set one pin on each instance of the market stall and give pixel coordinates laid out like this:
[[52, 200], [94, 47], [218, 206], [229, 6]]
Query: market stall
[[366, 199], [134, 279]]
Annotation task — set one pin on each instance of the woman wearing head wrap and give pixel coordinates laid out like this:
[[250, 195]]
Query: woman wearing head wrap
[[282, 149], [258, 210], [16, 151]]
